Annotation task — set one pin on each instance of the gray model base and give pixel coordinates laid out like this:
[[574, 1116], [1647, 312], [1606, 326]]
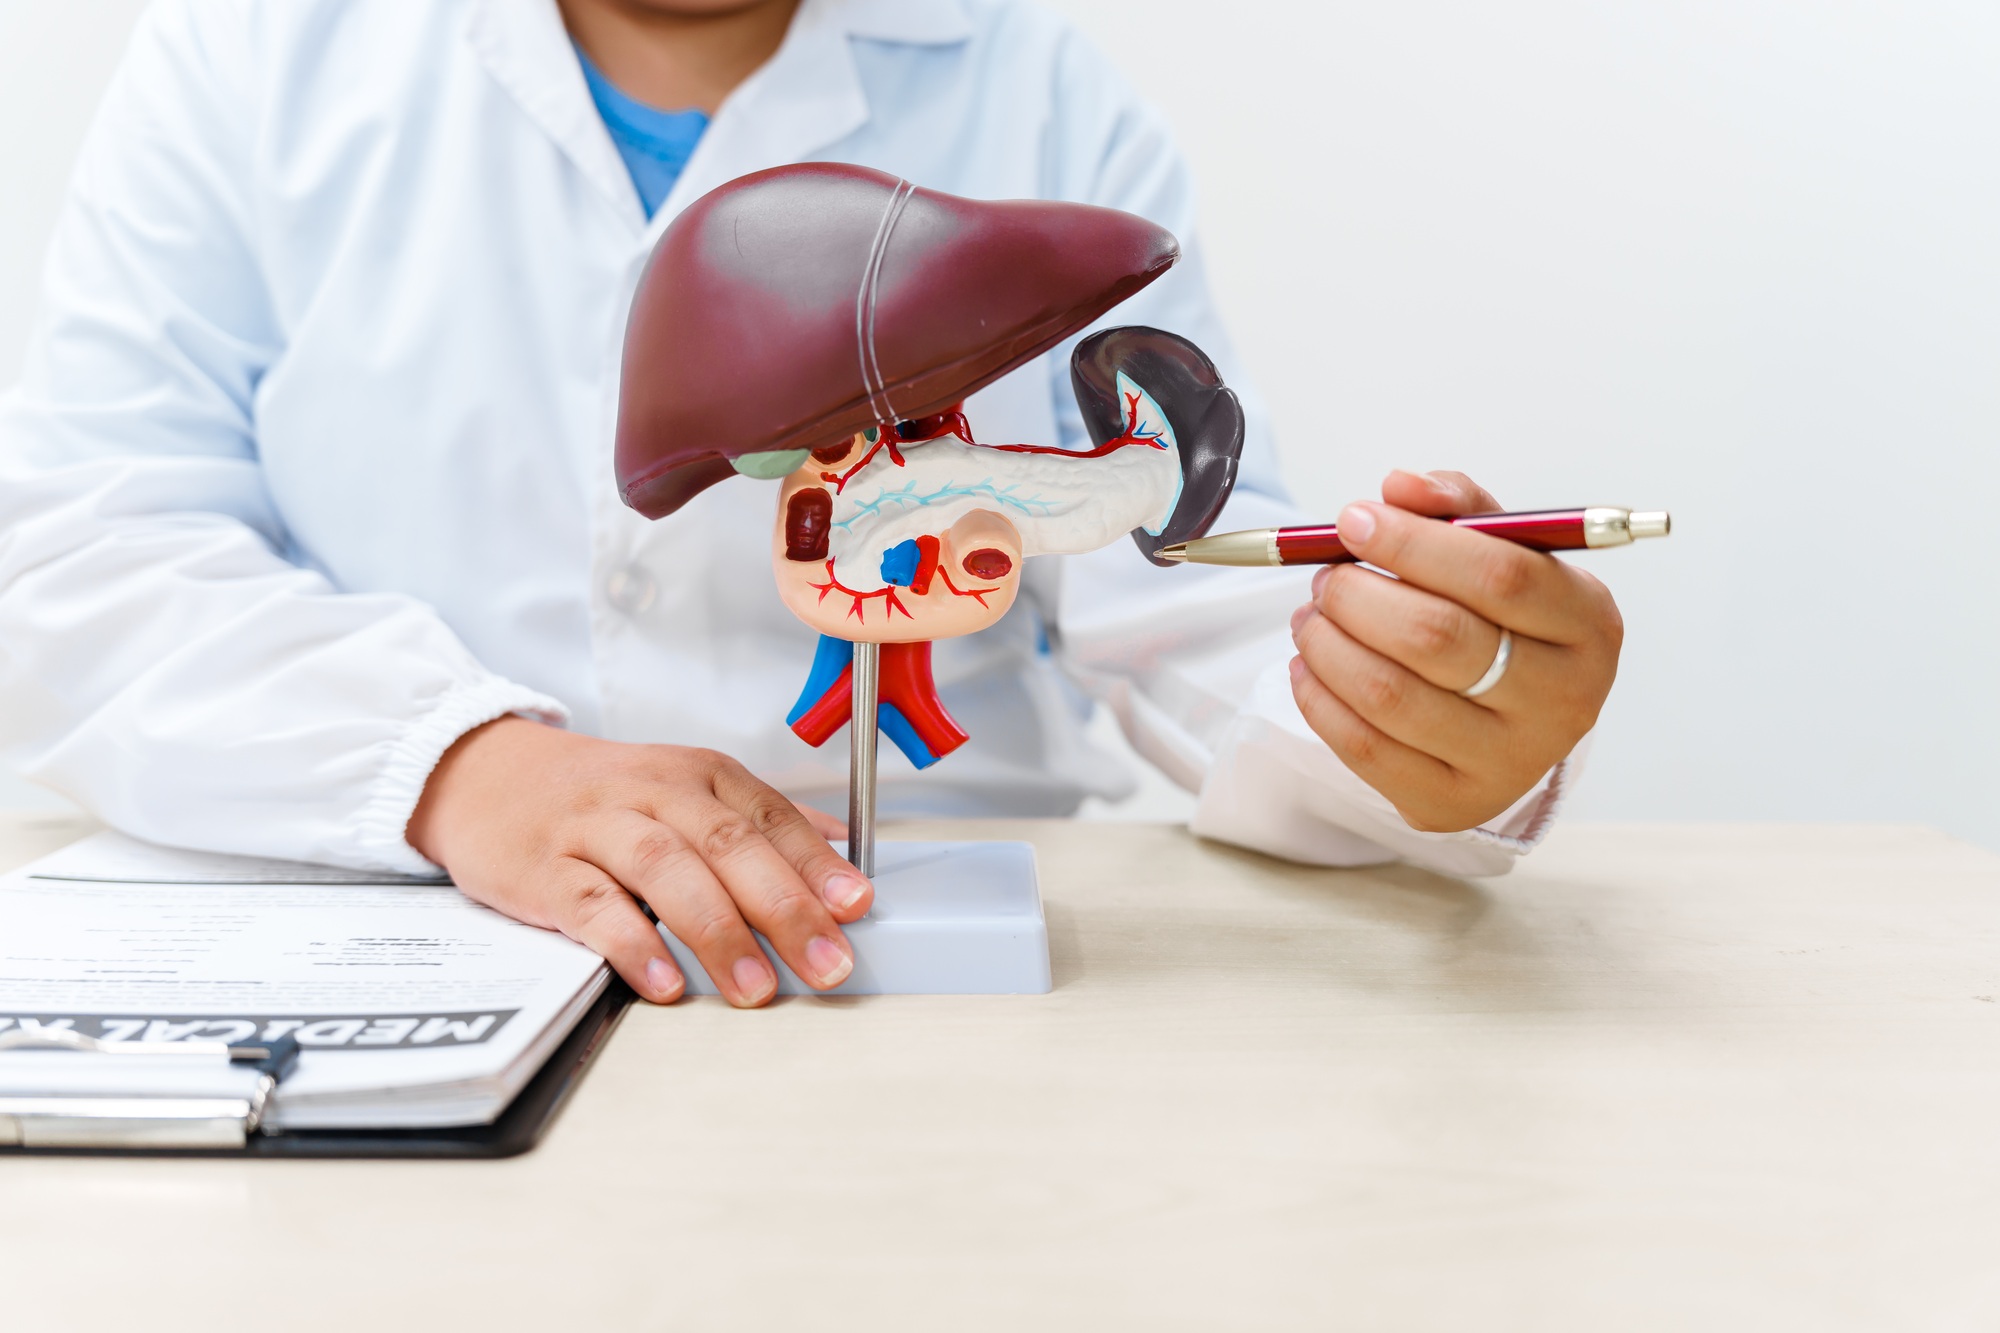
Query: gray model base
[[950, 918]]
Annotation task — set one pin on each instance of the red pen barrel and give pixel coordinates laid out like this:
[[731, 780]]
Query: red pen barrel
[[1539, 530], [1318, 544], [1542, 530]]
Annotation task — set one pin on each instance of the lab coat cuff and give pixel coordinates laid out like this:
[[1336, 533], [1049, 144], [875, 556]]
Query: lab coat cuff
[[412, 755], [1275, 787]]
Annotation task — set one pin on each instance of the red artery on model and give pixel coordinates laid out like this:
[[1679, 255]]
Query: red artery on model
[[909, 711]]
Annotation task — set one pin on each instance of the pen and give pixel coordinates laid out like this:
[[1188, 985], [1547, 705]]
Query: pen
[[1319, 543]]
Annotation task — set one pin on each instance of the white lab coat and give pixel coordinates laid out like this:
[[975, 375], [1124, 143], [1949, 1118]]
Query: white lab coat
[[310, 470]]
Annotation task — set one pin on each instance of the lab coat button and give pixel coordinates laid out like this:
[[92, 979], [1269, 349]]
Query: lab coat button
[[631, 589]]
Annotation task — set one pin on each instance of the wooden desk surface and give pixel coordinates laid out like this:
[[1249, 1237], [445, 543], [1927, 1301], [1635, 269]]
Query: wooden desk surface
[[1659, 1078]]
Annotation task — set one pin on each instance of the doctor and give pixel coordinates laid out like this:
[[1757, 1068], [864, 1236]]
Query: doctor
[[309, 545]]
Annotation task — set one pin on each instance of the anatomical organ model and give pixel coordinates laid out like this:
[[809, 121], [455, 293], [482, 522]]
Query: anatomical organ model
[[821, 325]]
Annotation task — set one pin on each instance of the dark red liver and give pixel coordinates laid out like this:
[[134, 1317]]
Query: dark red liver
[[750, 326]]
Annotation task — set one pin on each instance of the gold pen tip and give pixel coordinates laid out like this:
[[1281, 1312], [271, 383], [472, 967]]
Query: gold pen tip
[[1177, 551]]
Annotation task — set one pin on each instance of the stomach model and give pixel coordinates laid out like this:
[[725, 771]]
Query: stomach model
[[904, 535]]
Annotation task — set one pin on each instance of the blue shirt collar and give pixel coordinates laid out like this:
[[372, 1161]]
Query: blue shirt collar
[[655, 144]]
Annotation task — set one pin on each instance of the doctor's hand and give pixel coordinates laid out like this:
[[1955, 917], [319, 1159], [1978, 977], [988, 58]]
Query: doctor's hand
[[1382, 660], [571, 833]]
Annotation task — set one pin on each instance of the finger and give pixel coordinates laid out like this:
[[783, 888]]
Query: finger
[[1526, 591], [831, 827], [1396, 701], [845, 890], [1438, 494], [1384, 763], [656, 862], [1436, 638], [767, 890], [1538, 677], [595, 910]]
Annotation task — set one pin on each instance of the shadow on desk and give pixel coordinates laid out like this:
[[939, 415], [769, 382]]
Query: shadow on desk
[[26, 835], [1198, 916]]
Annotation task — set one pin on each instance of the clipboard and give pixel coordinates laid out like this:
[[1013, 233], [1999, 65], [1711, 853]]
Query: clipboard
[[519, 1128]]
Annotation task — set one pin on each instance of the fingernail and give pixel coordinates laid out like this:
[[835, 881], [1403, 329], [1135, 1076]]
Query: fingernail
[[1319, 580], [1299, 617], [844, 890], [754, 978], [664, 979], [1439, 484], [1357, 525], [1298, 669], [829, 962]]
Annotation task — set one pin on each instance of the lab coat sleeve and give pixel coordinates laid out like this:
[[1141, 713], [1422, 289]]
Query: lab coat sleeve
[[162, 661], [1193, 662]]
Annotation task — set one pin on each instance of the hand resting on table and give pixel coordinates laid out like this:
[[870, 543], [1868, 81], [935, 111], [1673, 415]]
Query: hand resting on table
[[572, 833]]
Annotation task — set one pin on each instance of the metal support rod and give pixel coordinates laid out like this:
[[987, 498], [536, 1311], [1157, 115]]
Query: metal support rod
[[861, 738]]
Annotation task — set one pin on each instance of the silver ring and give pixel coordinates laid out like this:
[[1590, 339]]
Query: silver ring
[[1494, 672]]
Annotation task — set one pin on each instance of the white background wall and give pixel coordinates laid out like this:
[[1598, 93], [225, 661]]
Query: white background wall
[[1736, 258]]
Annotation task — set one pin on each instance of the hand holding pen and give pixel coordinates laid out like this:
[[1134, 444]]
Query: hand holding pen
[[1455, 687]]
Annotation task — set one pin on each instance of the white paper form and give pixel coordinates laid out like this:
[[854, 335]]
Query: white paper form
[[414, 1005]]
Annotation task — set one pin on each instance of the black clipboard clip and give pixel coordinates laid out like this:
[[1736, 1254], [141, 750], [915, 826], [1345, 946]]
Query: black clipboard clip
[[106, 1116]]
